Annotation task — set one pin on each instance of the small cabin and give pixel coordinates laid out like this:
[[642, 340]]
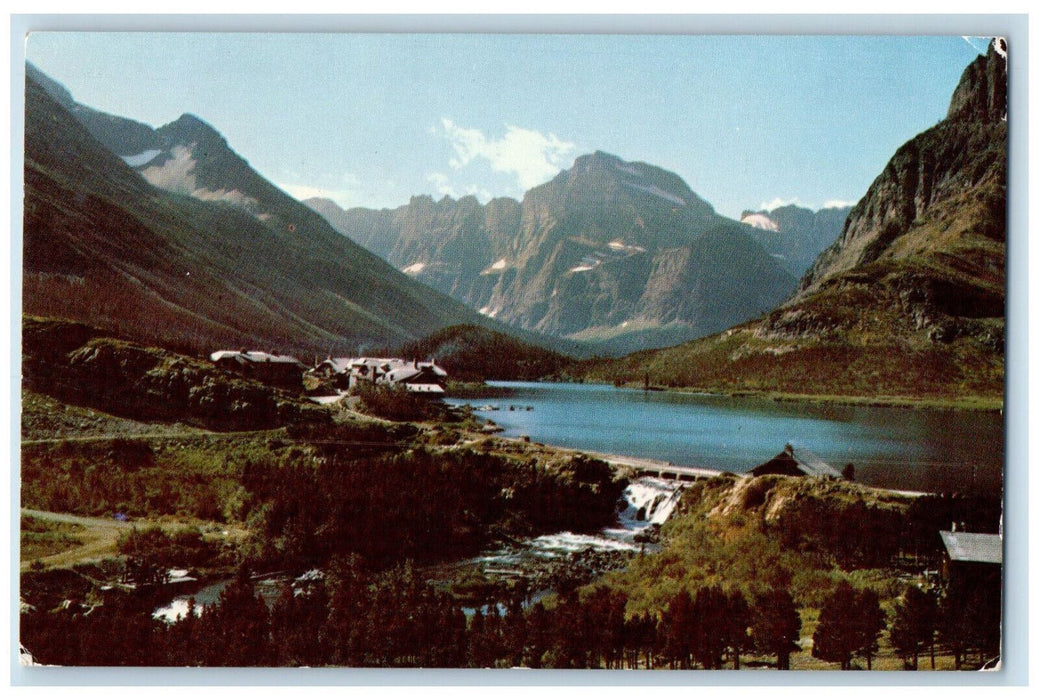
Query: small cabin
[[283, 371], [797, 462], [971, 559]]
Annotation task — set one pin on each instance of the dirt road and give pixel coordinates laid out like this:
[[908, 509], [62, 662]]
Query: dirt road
[[100, 535]]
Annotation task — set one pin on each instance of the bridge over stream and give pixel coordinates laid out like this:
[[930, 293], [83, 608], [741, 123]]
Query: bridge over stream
[[661, 470]]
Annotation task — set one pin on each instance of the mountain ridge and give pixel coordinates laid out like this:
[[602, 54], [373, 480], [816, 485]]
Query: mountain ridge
[[909, 301], [587, 255], [194, 267], [796, 235]]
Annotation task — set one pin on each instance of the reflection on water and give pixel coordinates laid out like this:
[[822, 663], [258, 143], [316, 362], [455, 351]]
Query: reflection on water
[[906, 448], [209, 594]]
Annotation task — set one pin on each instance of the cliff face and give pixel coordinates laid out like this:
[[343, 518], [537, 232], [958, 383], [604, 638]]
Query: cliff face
[[795, 235], [910, 299], [951, 175], [610, 251]]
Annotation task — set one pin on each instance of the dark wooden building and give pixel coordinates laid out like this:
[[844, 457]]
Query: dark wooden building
[[283, 371], [796, 462], [971, 557]]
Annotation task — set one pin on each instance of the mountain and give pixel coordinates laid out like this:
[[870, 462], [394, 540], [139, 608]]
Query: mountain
[[795, 235], [909, 301], [609, 251], [184, 244]]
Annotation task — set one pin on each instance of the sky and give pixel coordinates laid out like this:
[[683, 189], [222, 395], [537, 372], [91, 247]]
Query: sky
[[749, 122]]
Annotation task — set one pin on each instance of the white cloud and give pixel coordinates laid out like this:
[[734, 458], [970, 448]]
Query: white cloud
[[443, 186], [798, 202], [780, 202], [834, 203], [532, 157]]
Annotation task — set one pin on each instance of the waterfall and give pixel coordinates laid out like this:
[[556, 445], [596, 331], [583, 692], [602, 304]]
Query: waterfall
[[647, 501]]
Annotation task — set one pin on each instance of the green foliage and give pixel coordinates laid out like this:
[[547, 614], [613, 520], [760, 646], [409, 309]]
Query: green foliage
[[185, 547], [471, 353], [849, 624], [360, 499], [397, 403], [194, 478], [777, 626], [914, 626], [41, 538]]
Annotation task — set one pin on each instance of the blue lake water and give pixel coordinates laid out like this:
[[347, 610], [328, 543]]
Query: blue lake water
[[904, 448]]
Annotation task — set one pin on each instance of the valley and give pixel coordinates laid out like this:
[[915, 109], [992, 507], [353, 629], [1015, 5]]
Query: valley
[[669, 438]]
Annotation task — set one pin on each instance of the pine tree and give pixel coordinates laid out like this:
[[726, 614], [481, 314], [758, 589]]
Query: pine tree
[[850, 624], [914, 625], [676, 630], [709, 626], [870, 622], [776, 626], [834, 639]]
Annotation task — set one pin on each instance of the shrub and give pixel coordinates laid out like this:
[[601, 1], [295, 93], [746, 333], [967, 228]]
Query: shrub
[[395, 403]]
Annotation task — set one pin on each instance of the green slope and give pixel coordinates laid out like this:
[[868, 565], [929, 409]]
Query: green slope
[[909, 302], [103, 246]]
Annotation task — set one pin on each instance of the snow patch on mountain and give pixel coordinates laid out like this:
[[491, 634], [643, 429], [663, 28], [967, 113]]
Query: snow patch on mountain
[[136, 161], [495, 267], [235, 197], [656, 191], [177, 174], [414, 268], [622, 247], [629, 169], [760, 221]]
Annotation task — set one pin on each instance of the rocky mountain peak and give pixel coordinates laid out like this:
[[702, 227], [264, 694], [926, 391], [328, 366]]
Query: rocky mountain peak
[[982, 92], [191, 129], [947, 183]]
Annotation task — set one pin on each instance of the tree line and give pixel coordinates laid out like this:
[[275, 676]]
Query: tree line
[[354, 617]]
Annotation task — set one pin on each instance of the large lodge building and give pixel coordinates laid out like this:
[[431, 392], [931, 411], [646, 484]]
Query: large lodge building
[[345, 373]]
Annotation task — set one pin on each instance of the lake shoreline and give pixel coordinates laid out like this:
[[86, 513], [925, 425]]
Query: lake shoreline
[[622, 462], [981, 404], [893, 446]]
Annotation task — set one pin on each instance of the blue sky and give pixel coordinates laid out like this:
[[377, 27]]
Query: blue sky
[[372, 119]]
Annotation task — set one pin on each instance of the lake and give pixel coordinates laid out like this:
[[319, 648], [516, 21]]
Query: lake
[[893, 447]]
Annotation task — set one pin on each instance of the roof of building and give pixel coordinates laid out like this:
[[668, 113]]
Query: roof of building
[[402, 374], [426, 388], [253, 356], [340, 365], [796, 459], [973, 546], [395, 368]]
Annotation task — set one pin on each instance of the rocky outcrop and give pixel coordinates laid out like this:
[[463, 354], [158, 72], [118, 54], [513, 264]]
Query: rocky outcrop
[[79, 365], [956, 169], [608, 249], [795, 235]]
